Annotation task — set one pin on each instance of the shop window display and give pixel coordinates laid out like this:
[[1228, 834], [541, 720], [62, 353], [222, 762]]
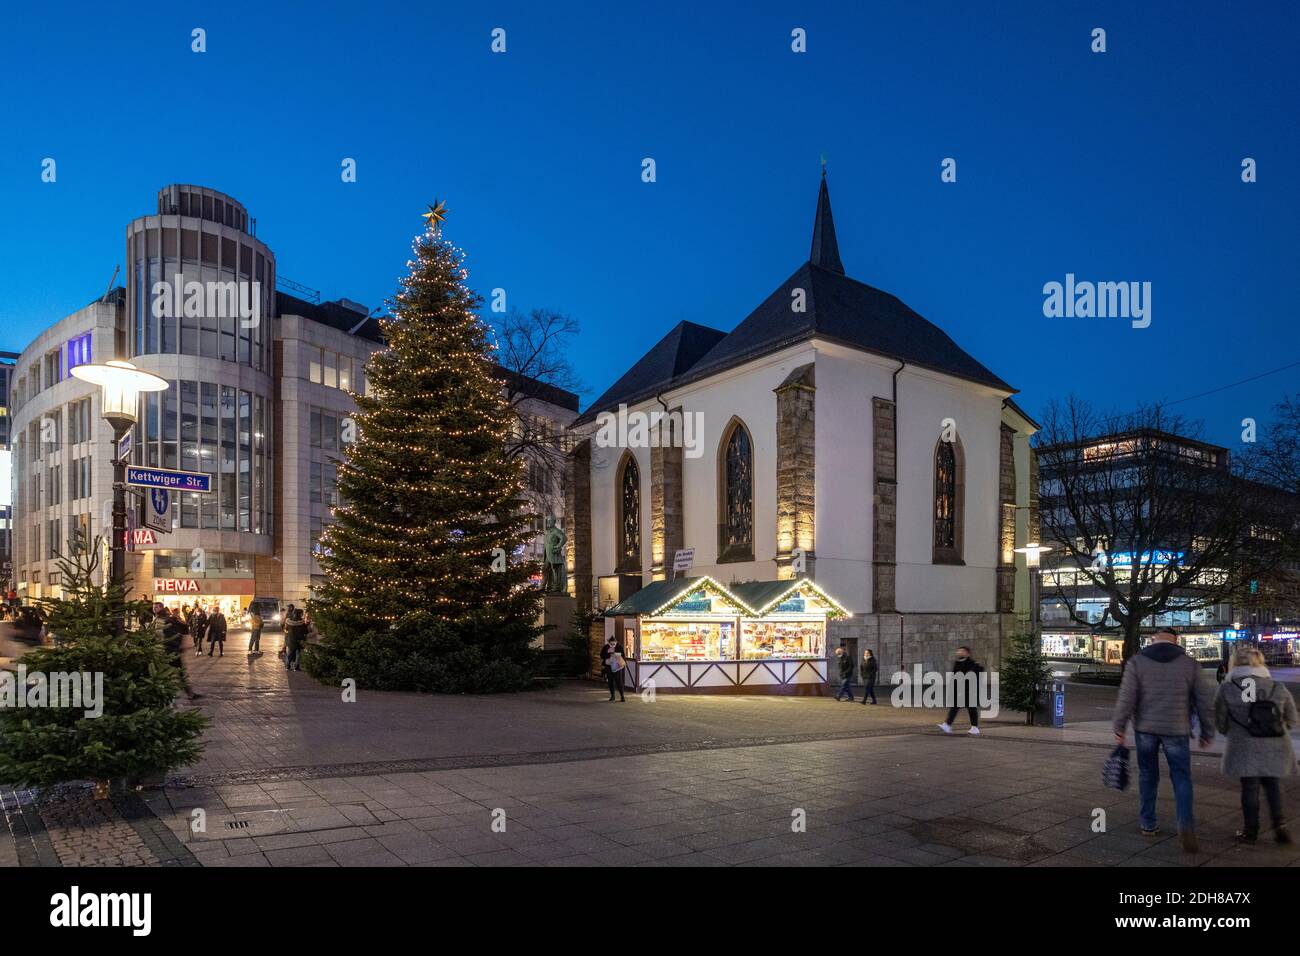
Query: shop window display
[[687, 640], [764, 640]]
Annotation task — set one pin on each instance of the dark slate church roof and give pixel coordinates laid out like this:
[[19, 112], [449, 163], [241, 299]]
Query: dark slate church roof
[[666, 362], [838, 309]]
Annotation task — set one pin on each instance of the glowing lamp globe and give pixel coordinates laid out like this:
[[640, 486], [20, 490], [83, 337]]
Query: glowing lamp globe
[[1031, 551], [120, 385]]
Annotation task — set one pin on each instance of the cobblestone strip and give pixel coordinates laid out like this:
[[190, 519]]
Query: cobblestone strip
[[23, 823], [469, 761], [89, 832]]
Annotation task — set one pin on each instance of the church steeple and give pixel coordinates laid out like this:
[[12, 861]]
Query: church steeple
[[825, 250]]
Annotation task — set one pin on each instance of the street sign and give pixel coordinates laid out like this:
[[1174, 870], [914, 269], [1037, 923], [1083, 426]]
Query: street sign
[[158, 510], [124, 447], [683, 559], [162, 478]]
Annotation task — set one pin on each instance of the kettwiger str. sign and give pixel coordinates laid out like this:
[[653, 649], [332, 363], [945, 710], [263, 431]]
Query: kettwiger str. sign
[[162, 478]]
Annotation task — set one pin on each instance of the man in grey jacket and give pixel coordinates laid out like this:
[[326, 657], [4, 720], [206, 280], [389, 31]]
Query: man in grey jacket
[[1161, 688]]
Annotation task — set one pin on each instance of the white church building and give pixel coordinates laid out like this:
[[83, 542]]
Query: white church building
[[834, 437]]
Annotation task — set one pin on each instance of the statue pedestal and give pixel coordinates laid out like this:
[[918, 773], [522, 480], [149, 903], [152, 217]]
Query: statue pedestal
[[557, 610]]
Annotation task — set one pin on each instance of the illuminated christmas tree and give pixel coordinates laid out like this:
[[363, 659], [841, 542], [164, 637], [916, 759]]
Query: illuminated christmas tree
[[421, 592]]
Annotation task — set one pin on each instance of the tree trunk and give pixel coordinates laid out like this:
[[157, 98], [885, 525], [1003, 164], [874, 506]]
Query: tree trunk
[[1132, 637]]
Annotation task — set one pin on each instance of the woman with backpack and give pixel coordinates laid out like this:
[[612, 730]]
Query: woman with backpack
[[1256, 713]]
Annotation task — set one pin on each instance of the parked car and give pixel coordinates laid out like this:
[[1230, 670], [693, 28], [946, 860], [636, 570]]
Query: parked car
[[269, 608]]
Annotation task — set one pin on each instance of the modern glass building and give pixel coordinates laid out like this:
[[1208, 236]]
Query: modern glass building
[[260, 393]]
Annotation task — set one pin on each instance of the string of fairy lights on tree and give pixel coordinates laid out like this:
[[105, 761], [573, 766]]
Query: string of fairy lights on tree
[[428, 497]]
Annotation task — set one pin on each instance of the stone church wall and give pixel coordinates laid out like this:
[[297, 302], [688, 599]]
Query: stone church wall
[[902, 641]]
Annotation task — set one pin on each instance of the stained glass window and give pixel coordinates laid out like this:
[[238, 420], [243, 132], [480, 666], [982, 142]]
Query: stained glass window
[[738, 524], [945, 498], [630, 530]]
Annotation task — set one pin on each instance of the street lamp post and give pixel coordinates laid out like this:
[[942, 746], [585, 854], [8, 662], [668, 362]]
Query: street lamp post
[[1032, 551], [120, 384]]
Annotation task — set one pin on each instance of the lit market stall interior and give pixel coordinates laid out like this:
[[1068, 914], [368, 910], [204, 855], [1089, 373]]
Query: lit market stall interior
[[697, 635]]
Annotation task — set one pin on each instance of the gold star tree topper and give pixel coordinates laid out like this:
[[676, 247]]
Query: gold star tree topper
[[436, 215]]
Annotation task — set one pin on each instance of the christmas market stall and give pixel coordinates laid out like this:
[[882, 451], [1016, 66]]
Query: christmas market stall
[[697, 635]]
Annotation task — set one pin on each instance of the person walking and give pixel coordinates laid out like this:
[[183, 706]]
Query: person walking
[[254, 631], [172, 629], [617, 672], [606, 674], [1255, 713], [295, 633], [199, 628], [1161, 689], [217, 632], [869, 670], [846, 672], [968, 672], [284, 629]]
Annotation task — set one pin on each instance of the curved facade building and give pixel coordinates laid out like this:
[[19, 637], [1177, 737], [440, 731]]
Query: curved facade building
[[199, 313]]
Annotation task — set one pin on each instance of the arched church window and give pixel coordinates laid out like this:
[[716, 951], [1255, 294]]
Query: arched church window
[[948, 503], [737, 482], [629, 534]]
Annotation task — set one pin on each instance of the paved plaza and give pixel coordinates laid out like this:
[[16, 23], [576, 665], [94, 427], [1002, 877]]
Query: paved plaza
[[294, 776]]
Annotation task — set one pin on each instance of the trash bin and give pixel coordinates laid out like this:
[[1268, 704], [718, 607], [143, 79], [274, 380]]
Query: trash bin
[[1050, 711]]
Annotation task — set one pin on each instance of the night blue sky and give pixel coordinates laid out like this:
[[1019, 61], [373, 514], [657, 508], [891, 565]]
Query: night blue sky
[[1115, 166]]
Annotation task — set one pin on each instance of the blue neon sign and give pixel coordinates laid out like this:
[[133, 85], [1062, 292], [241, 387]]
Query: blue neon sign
[[76, 351]]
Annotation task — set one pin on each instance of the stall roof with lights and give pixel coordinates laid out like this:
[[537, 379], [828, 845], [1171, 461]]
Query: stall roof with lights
[[754, 598]]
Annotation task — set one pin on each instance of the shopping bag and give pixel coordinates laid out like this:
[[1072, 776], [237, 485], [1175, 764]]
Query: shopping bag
[[1114, 772]]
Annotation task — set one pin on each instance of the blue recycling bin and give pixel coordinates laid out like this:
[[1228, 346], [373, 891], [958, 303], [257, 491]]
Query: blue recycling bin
[[1051, 704]]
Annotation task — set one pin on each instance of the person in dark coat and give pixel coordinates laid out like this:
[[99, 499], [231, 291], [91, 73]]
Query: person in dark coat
[[295, 635], [199, 627], [617, 672], [868, 671], [217, 633], [174, 631], [846, 672], [606, 653], [968, 673], [1256, 761]]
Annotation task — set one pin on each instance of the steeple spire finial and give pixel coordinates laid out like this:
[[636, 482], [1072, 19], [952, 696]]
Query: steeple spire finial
[[825, 248]]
